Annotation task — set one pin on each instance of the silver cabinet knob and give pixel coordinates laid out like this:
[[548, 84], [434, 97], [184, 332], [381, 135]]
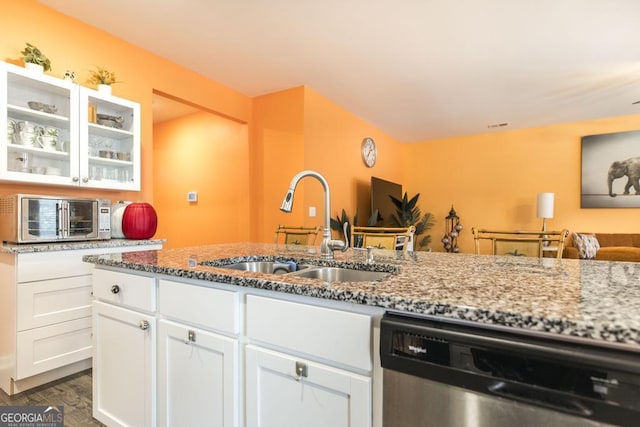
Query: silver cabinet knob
[[143, 324], [191, 337], [115, 289], [75, 179], [85, 179], [302, 371]]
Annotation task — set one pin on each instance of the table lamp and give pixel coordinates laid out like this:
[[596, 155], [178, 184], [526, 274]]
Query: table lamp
[[545, 208]]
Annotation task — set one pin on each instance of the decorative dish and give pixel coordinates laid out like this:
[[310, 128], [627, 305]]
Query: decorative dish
[[110, 121], [39, 106]]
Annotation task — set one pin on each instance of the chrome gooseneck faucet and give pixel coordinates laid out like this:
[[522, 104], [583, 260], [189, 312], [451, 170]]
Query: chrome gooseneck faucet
[[327, 246]]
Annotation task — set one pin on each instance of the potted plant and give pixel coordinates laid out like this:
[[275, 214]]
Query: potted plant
[[103, 79], [338, 222], [408, 213], [35, 59]]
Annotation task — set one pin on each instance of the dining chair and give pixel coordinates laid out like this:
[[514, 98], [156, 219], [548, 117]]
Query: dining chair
[[521, 243], [296, 235], [395, 238]]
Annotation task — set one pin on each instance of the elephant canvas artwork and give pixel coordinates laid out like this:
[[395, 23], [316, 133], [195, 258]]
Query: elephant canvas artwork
[[611, 170]]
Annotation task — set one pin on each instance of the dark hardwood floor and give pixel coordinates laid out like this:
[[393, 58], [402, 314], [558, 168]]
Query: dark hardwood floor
[[73, 392]]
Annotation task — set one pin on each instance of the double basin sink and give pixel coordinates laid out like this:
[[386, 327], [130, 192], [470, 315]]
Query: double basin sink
[[323, 273]]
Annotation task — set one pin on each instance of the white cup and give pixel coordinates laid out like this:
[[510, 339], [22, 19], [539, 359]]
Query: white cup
[[50, 138], [30, 134], [24, 133]]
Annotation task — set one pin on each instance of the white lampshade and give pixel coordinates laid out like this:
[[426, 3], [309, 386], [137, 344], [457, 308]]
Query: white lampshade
[[545, 205]]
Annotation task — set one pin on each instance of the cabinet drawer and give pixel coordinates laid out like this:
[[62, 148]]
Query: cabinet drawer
[[207, 307], [57, 264], [50, 347], [52, 265], [324, 333], [47, 302], [125, 289]]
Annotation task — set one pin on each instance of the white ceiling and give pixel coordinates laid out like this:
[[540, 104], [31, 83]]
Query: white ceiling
[[417, 69]]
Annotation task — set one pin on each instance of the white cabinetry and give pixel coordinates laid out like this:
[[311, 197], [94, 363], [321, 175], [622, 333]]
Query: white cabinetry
[[307, 365], [227, 357], [62, 134], [287, 391], [194, 334], [110, 141], [124, 362], [124, 368], [197, 377], [198, 368], [45, 315]]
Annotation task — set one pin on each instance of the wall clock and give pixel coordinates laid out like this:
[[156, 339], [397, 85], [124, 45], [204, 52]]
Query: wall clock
[[369, 152]]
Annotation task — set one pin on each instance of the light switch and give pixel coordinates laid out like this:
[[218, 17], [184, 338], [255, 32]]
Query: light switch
[[312, 211], [192, 196]]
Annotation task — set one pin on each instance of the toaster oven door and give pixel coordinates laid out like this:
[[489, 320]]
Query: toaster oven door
[[82, 217], [42, 220]]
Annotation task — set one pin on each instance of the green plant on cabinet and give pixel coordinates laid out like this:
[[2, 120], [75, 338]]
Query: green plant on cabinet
[[32, 55]]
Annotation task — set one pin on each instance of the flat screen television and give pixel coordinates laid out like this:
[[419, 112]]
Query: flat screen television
[[380, 191]]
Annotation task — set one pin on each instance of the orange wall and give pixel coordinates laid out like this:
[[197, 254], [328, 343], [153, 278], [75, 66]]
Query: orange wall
[[333, 139], [277, 154], [208, 154], [298, 129], [493, 179], [73, 45]]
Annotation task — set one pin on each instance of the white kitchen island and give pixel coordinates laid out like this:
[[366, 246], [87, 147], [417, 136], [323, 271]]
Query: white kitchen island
[[278, 350]]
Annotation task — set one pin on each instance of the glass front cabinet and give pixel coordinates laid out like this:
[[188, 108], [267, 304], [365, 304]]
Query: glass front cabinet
[[59, 133]]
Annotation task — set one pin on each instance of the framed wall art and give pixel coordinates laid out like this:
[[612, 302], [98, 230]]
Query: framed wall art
[[611, 170]]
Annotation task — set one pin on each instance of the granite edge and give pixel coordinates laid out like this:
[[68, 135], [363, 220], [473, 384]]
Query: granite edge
[[67, 246]]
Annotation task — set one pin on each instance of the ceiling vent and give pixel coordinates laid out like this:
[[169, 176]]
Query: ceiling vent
[[497, 125]]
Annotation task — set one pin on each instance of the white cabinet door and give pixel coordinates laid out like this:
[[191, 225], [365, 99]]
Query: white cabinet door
[[276, 396], [124, 366], [111, 128], [40, 115], [197, 377]]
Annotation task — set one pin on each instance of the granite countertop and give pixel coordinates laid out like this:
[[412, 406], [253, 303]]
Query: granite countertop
[[24, 248], [595, 300]]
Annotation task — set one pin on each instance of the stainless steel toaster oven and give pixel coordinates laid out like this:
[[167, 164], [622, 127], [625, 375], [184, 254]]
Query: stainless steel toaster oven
[[26, 218]]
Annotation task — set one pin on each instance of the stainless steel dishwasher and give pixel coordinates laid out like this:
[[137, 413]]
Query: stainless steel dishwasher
[[454, 373]]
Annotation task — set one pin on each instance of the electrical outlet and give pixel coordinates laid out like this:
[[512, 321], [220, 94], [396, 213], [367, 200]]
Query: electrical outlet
[[192, 196], [312, 211]]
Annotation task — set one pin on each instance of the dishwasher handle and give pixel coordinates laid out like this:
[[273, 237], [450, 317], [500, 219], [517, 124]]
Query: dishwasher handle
[[539, 397]]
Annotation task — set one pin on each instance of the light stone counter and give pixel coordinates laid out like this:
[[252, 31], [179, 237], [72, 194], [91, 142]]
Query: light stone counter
[[25, 248], [595, 300]]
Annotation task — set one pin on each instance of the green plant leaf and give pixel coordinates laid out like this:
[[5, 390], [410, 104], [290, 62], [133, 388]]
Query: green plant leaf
[[408, 213], [335, 224]]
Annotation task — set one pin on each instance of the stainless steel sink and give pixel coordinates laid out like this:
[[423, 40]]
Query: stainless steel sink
[[264, 267], [338, 274], [323, 273]]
